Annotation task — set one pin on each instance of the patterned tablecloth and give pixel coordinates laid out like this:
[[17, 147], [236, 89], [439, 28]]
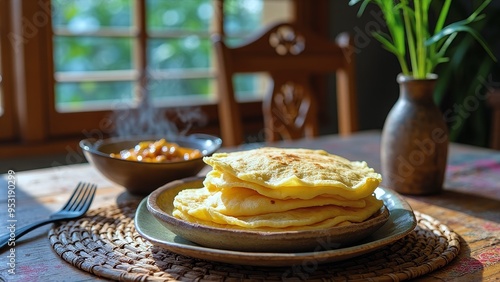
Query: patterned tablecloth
[[466, 171], [470, 203], [468, 167]]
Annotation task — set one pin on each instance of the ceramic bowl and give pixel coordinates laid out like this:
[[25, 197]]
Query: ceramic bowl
[[160, 205], [141, 178]]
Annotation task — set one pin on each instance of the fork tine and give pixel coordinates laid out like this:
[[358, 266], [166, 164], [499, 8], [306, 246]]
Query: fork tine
[[74, 197], [86, 194], [82, 197], [88, 200]]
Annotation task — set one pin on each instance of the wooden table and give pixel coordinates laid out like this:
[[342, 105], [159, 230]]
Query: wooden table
[[470, 205]]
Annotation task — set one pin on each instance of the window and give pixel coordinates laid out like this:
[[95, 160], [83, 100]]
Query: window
[[110, 54], [92, 53]]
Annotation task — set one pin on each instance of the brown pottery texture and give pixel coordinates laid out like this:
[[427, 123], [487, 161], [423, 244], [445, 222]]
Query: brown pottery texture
[[414, 144]]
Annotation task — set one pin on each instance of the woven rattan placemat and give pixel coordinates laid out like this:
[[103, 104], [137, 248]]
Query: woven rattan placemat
[[105, 243]]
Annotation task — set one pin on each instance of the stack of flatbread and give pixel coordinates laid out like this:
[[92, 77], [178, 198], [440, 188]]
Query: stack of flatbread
[[276, 189]]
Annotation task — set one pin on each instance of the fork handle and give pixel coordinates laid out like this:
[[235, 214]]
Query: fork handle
[[4, 239]]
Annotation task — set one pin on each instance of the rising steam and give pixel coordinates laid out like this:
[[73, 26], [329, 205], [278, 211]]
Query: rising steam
[[147, 120]]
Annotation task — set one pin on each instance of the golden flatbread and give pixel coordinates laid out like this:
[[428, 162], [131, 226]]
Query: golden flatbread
[[292, 173], [312, 218], [239, 201], [217, 180], [281, 189]]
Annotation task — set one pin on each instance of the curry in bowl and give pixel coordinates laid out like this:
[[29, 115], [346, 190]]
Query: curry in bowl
[[141, 177], [157, 152]]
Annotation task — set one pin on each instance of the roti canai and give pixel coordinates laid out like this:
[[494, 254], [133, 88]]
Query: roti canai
[[294, 173], [281, 189]]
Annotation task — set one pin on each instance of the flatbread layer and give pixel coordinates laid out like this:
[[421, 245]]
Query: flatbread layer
[[276, 189], [216, 181], [311, 217], [239, 201], [292, 173]]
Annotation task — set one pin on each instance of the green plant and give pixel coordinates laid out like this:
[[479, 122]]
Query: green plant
[[411, 37], [465, 80]]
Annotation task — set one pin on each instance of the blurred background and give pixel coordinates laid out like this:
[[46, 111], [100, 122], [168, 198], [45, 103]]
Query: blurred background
[[73, 69]]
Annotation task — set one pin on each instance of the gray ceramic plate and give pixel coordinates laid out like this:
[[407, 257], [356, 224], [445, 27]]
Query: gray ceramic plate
[[160, 205], [401, 222]]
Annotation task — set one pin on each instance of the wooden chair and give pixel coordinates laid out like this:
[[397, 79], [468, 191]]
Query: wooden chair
[[291, 56]]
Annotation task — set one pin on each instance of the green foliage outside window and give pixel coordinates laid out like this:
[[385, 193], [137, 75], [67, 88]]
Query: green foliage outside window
[[179, 42]]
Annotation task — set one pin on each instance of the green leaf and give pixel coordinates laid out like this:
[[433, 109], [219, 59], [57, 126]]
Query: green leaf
[[409, 18], [455, 28], [447, 44], [480, 9], [354, 2], [386, 43], [442, 16], [409, 37], [362, 7]]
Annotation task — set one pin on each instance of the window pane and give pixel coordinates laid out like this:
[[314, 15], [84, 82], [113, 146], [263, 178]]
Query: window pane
[[242, 16], [180, 87], [248, 86], [90, 15], [184, 53], [245, 17], [91, 53], [189, 15], [88, 95]]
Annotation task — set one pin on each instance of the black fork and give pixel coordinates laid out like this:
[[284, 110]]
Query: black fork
[[77, 205]]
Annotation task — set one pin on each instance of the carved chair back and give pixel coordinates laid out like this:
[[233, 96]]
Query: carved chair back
[[291, 56]]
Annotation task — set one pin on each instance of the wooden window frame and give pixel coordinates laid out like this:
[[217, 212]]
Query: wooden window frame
[[36, 126]]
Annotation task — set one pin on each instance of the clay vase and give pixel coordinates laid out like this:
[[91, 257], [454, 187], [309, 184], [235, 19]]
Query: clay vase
[[414, 145]]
